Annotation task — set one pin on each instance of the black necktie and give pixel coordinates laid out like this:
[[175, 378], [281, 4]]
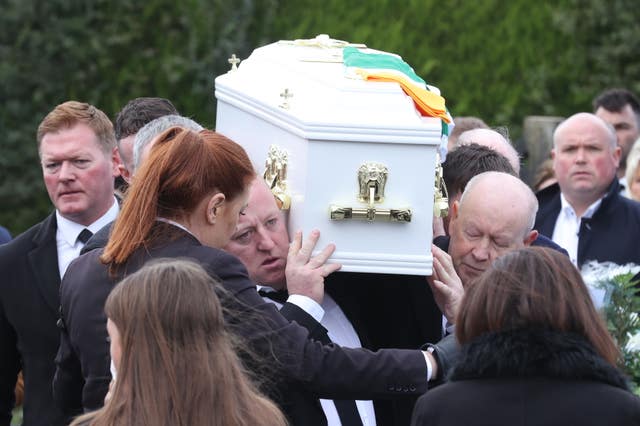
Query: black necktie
[[346, 408], [84, 236], [279, 296]]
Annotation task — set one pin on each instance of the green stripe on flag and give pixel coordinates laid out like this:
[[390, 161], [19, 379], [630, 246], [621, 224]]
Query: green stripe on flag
[[353, 57]]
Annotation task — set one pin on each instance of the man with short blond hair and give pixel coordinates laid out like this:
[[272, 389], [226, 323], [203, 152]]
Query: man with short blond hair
[[261, 242], [79, 161]]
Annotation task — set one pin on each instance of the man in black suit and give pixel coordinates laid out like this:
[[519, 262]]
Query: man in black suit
[[584, 211], [356, 310], [77, 148]]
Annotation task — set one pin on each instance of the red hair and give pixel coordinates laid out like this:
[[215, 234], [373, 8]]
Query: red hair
[[183, 167]]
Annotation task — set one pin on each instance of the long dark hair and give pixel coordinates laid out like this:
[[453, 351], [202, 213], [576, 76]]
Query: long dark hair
[[533, 287]]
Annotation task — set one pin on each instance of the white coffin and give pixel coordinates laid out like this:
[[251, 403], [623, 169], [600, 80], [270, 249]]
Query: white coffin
[[329, 127]]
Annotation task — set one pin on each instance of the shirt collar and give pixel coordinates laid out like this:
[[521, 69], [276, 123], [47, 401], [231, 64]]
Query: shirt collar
[[176, 224], [69, 230], [567, 209], [265, 288]]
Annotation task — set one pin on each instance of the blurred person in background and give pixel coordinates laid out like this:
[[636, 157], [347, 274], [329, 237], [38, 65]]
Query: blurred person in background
[[621, 109], [632, 173]]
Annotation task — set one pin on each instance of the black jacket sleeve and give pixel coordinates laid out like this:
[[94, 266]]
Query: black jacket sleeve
[[67, 381], [9, 367], [295, 313]]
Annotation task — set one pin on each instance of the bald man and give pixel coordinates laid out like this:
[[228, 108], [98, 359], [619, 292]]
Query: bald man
[[493, 140], [463, 124], [494, 216], [486, 223], [584, 212]]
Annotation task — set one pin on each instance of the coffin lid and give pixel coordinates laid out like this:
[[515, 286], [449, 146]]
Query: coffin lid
[[325, 104]]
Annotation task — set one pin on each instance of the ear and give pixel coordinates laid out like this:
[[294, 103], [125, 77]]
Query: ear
[[455, 209], [452, 199], [215, 201], [116, 162], [617, 153], [530, 238], [452, 217], [125, 173]]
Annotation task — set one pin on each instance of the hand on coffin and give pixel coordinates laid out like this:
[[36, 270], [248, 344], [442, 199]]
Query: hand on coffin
[[445, 284], [305, 274]]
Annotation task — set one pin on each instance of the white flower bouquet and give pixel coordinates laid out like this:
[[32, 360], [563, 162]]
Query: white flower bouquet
[[616, 293]]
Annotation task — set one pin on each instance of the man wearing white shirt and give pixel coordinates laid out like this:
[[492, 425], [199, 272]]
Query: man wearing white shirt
[[585, 212], [69, 241], [261, 241], [79, 161]]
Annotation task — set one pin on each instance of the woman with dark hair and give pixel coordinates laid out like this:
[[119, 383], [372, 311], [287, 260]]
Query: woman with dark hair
[[535, 352], [175, 361], [185, 201]]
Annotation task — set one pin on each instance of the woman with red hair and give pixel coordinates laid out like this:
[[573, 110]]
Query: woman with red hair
[[184, 202]]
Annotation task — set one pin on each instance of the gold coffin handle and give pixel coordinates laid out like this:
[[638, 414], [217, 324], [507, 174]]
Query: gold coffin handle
[[370, 214], [372, 178], [275, 175]]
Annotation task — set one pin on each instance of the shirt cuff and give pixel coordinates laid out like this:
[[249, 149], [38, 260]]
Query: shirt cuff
[[308, 305], [429, 366]]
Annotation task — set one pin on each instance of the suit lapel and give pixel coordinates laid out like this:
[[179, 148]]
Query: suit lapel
[[43, 260], [549, 209]]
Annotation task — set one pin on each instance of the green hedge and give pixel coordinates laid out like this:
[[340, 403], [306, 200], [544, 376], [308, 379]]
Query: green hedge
[[499, 60]]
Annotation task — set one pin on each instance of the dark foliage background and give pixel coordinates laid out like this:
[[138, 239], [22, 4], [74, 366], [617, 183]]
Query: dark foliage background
[[498, 60]]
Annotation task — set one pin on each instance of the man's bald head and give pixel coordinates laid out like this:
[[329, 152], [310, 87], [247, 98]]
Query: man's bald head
[[495, 215], [505, 189], [494, 140], [585, 159], [606, 131]]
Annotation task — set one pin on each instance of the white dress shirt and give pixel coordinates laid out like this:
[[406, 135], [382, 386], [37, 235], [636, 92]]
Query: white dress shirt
[[567, 229], [67, 235], [341, 332]]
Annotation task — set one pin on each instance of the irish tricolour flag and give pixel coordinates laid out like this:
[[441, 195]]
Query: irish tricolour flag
[[387, 67]]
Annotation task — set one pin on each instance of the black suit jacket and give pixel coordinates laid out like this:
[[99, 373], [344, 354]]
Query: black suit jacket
[[610, 235], [99, 239], [29, 337], [299, 365], [387, 311]]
